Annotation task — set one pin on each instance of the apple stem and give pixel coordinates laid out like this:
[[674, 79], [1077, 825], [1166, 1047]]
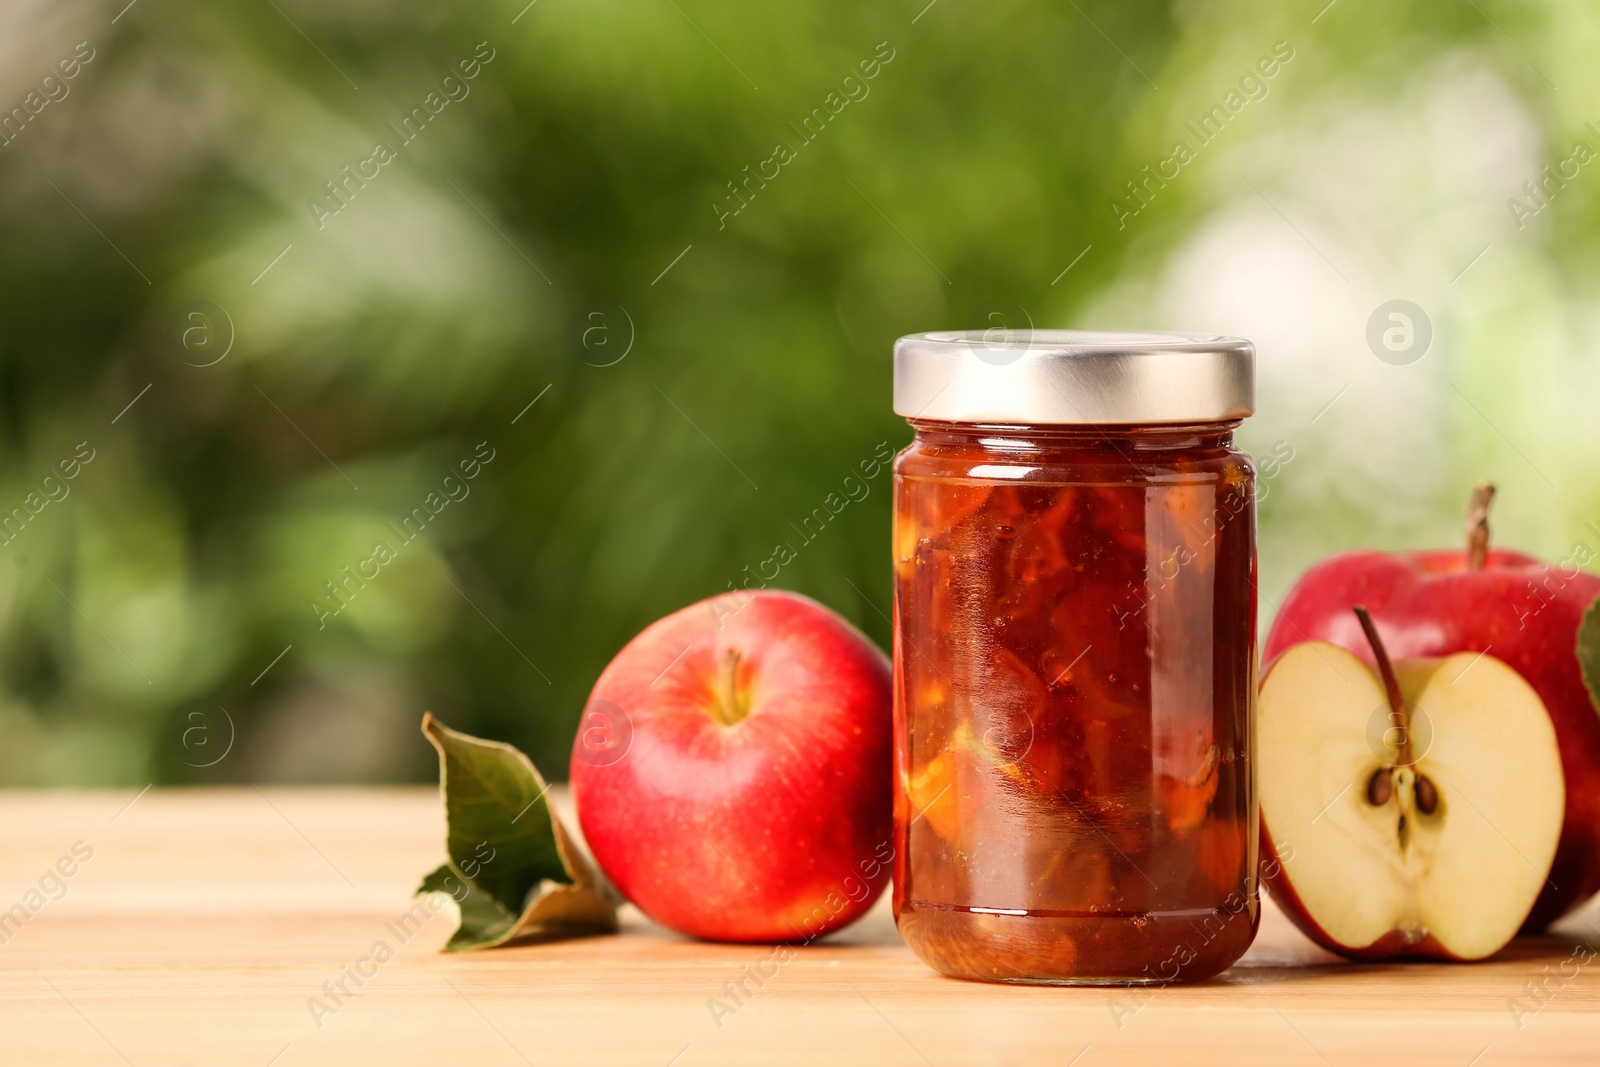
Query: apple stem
[[1391, 684], [1477, 526], [730, 705]]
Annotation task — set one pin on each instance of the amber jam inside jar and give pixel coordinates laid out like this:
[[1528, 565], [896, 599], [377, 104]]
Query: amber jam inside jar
[[1074, 650]]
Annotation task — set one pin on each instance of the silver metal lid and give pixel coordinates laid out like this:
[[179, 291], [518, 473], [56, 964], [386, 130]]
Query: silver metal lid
[[1052, 377]]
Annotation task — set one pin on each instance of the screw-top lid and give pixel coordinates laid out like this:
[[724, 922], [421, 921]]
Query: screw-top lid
[[1054, 377]]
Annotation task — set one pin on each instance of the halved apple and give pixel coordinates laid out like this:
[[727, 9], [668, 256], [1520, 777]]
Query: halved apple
[[1413, 812]]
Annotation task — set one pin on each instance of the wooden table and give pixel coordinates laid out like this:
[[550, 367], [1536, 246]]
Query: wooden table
[[206, 921]]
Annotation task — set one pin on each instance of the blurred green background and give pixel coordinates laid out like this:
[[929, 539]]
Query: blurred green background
[[561, 233]]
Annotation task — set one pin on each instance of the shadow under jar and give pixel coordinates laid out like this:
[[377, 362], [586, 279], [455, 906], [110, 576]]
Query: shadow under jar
[[1075, 657]]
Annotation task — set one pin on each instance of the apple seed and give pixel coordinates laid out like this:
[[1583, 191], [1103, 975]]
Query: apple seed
[[1380, 787], [1427, 795]]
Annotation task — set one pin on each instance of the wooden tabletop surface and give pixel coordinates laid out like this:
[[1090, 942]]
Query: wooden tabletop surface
[[204, 925]]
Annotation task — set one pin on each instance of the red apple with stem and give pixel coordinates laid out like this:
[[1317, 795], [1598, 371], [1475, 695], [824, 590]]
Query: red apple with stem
[[733, 769], [1519, 609], [1412, 814]]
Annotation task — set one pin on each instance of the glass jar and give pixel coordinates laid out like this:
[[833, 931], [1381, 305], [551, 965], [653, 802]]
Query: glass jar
[[1075, 656]]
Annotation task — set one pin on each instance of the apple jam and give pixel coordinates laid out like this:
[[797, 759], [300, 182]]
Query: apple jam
[[1074, 650]]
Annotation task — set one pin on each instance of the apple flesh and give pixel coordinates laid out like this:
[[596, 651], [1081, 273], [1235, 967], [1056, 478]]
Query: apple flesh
[[733, 771], [1515, 607], [1414, 838]]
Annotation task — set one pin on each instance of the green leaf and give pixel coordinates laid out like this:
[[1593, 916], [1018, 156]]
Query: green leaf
[[1589, 651], [514, 870]]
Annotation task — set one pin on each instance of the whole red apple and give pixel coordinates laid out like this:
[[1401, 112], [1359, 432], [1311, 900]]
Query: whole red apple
[[733, 769], [1520, 609]]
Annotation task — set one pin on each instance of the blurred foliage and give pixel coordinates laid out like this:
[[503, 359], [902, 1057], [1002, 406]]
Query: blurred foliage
[[301, 380]]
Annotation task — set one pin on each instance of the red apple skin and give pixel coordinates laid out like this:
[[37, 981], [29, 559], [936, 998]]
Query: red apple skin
[[1391, 946], [776, 828], [1429, 604]]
